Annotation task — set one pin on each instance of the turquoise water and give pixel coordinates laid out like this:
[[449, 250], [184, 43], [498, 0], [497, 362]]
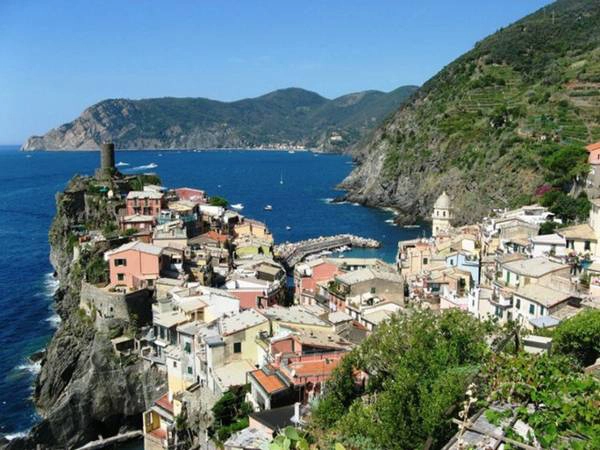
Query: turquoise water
[[29, 181]]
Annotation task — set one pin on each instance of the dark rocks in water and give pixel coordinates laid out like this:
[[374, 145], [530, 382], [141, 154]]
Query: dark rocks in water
[[37, 356], [83, 389]]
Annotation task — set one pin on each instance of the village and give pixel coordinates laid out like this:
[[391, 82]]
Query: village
[[204, 296]]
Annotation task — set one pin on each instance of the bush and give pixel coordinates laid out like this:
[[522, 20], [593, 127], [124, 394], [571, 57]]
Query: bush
[[218, 201], [579, 337], [419, 366]]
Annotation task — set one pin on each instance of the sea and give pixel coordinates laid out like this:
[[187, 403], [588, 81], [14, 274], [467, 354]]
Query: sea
[[300, 187]]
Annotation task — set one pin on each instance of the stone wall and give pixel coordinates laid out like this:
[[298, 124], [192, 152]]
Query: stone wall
[[104, 306]]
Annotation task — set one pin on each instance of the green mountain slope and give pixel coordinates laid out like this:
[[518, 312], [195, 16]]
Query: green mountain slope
[[285, 117], [487, 127]]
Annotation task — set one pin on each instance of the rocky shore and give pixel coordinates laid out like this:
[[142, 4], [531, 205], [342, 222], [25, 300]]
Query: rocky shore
[[83, 390]]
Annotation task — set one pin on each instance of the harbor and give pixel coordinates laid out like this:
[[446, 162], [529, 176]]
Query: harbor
[[291, 253]]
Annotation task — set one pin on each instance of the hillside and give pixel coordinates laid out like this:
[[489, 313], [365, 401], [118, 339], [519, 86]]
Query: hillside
[[288, 117], [487, 127]]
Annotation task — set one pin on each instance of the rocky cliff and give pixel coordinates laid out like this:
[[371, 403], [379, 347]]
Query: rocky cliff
[[487, 128], [84, 389], [288, 117]]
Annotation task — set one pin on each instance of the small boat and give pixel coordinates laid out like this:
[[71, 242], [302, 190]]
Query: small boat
[[411, 226], [288, 228], [281, 178], [291, 152], [268, 208], [237, 206]]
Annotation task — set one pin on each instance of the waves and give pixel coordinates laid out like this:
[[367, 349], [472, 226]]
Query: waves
[[143, 167], [20, 434], [32, 367], [121, 164]]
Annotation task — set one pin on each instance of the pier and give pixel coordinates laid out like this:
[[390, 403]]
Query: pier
[[291, 253]]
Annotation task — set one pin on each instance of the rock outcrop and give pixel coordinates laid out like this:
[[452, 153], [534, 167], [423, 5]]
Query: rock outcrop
[[487, 127], [84, 389]]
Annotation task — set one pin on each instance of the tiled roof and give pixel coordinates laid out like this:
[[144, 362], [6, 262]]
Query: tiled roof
[[592, 147], [270, 383], [583, 231], [144, 194], [164, 403], [136, 245]]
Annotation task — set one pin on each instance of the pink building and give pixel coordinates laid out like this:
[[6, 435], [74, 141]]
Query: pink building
[[134, 265], [594, 153], [308, 275], [146, 203], [193, 195]]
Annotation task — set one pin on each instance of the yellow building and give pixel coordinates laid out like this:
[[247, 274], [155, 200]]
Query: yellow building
[[249, 227]]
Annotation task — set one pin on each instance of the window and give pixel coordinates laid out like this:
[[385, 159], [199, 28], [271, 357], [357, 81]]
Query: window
[[120, 276], [587, 245], [518, 303], [189, 370], [444, 213], [425, 261], [188, 347], [237, 347], [120, 262], [570, 244], [175, 364], [373, 290], [532, 309]]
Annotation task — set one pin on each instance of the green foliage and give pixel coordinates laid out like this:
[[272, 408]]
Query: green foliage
[[579, 337], [564, 164], [419, 366], [130, 232], [291, 438], [559, 403], [141, 180], [548, 227], [218, 201], [230, 412], [284, 116], [96, 270], [567, 208]]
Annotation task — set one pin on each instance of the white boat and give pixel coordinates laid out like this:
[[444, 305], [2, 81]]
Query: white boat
[[411, 226], [281, 178], [237, 206], [268, 208], [291, 152], [288, 228]]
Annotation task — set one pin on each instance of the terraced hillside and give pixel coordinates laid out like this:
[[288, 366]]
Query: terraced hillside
[[488, 127]]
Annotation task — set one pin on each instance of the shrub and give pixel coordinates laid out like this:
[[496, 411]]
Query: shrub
[[579, 337]]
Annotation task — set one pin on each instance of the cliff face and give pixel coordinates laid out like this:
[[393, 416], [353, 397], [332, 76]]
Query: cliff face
[[286, 118], [83, 389], [487, 126]]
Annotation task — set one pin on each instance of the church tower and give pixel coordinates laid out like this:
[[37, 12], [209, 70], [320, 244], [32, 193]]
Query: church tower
[[442, 215]]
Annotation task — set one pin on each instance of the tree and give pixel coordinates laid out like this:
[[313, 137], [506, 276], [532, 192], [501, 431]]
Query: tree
[[565, 163], [218, 201], [418, 365], [547, 227], [230, 413], [579, 337]]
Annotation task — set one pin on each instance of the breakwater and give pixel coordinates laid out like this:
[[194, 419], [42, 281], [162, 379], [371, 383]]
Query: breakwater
[[291, 253]]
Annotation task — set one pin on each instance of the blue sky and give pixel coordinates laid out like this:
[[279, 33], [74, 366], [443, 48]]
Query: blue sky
[[58, 57]]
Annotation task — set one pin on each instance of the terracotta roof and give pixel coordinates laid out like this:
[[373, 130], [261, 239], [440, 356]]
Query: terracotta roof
[[592, 147], [215, 236], [314, 368], [164, 403], [270, 383]]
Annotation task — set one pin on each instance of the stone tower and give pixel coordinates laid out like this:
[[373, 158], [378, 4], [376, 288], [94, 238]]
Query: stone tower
[[107, 160], [442, 215]]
